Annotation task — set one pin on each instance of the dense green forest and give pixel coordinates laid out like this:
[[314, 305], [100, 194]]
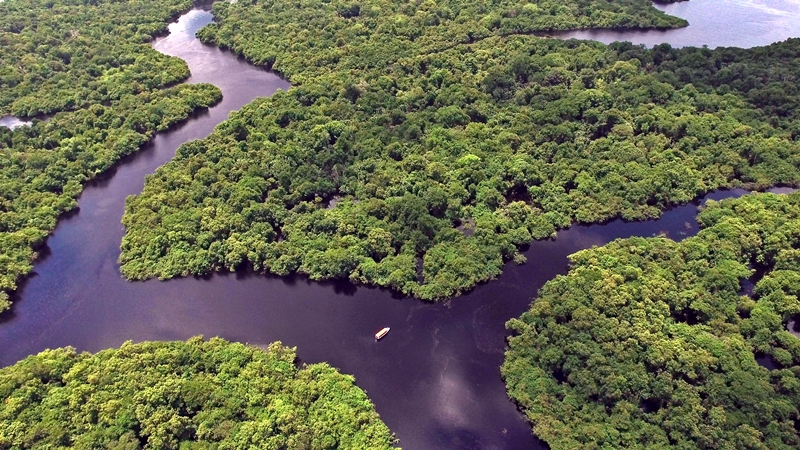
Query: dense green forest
[[89, 62], [60, 55], [651, 343], [444, 136], [188, 395]]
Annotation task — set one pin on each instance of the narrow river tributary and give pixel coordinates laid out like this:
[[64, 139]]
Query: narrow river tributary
[[435, 378]]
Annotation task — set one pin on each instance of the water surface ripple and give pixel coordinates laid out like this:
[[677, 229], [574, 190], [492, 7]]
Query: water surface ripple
[[434, 379]]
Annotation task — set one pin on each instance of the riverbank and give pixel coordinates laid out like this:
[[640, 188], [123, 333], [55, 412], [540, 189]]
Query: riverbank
[[712, 24], [434, 379]]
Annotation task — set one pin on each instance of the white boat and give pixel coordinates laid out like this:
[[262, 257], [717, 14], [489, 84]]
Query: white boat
[[382, 333]]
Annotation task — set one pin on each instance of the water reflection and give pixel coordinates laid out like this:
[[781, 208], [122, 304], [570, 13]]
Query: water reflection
[[13, 122], [435, 378], [713, 23], [794, 326]]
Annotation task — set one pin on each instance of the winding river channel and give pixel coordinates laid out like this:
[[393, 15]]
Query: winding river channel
[[435, 378]]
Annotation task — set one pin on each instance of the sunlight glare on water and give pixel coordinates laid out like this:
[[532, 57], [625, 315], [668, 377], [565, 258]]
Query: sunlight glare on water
[[713, 23]]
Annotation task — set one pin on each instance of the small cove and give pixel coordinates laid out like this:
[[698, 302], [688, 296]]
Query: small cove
[[434, 379], [712, 23]]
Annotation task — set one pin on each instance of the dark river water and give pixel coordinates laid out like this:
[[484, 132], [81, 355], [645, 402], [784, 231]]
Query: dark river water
[[435, 379]]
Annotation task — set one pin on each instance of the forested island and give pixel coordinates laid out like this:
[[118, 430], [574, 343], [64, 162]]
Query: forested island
[[423, 146], [189, 395], [651, 343], [90, 64], [425, 143]]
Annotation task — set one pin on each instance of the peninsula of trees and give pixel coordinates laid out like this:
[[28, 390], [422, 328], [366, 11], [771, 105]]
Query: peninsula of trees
[[184, 395], [651, 343], [90, 64], [412, 122]]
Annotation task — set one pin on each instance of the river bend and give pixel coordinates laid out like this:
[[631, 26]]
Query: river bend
[[435, 378]]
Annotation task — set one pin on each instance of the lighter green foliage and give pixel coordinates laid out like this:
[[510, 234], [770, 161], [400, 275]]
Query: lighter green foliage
[[91, 64], [195, 394], [428, 116], [647, 343]]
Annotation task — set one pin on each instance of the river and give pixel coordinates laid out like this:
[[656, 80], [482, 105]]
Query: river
[[434, 379], [713, 23], [13, 122]]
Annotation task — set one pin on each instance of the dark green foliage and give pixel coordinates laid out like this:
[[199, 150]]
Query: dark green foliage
[[308, 38], [647, 343], [421, 117], [187, 395], [765, 76], [91, 62], [60, 55]]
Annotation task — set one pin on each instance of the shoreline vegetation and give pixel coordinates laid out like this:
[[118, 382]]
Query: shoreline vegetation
[[184, 395], [432, 138], [89, 67], [651, 343], [417, 119]]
